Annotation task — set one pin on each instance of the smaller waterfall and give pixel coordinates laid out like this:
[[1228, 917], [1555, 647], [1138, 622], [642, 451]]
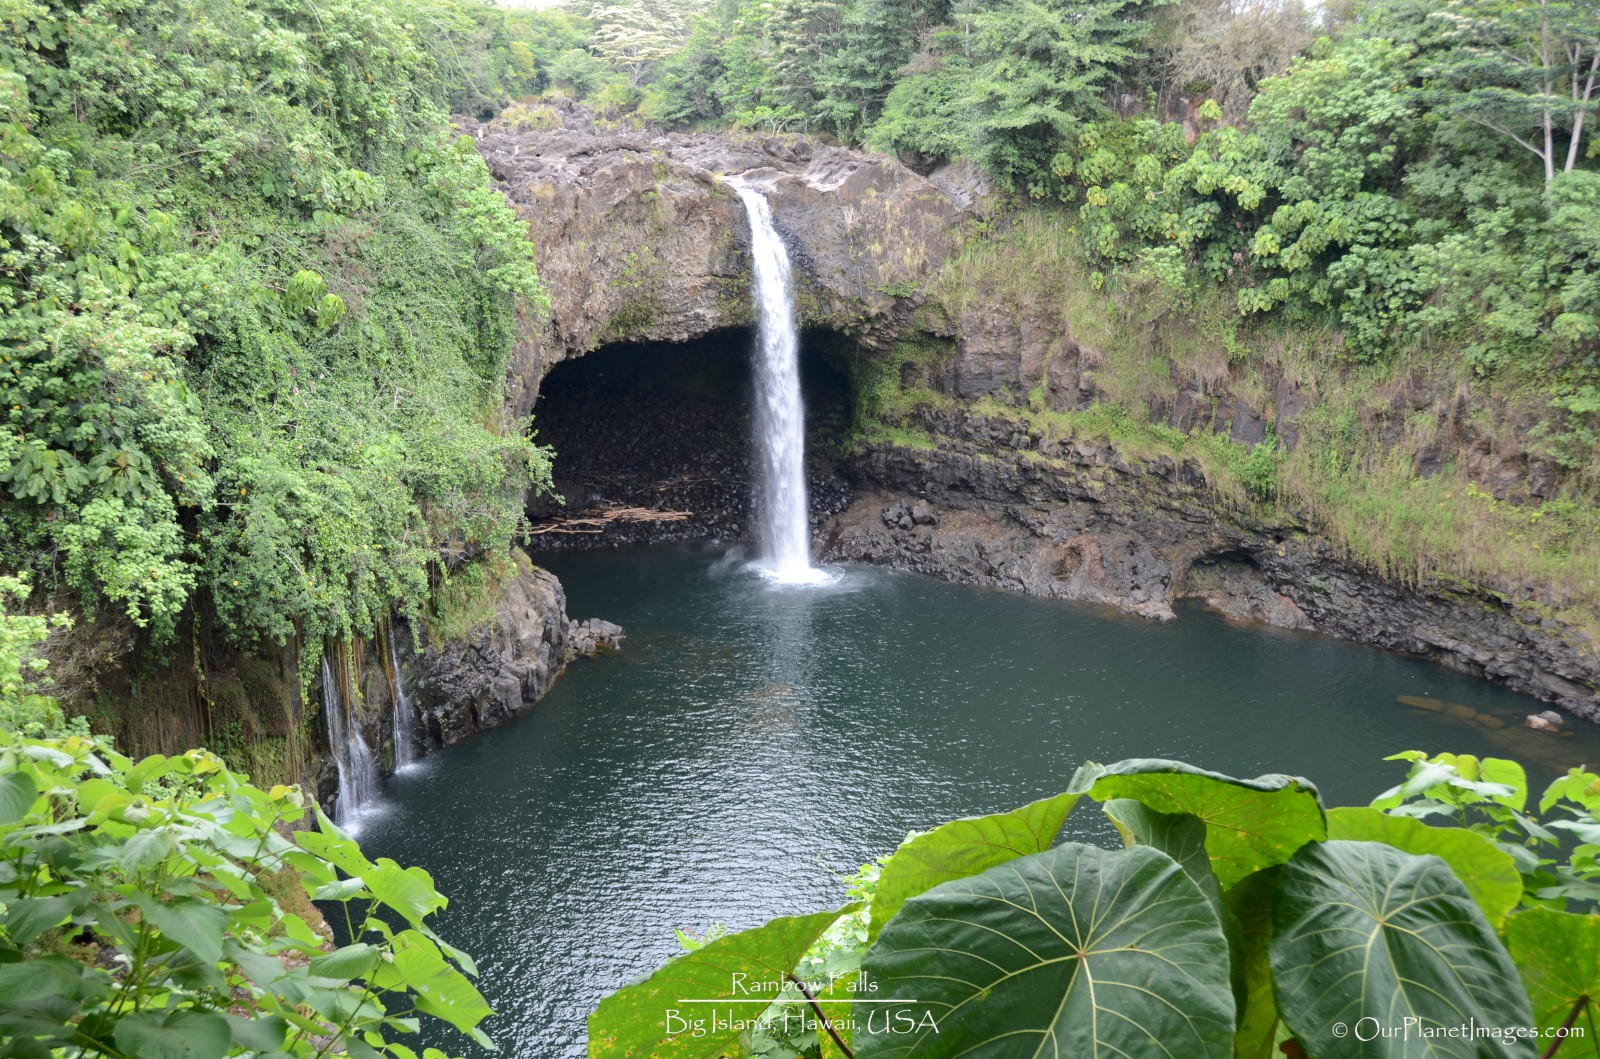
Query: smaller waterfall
[[404, 720], [358, 771], [780, 421]]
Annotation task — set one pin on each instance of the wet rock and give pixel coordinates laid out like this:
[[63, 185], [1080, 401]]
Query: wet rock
[[638, 241], [593, 636]]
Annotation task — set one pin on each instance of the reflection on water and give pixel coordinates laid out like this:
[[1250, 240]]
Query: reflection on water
[[751, 742]]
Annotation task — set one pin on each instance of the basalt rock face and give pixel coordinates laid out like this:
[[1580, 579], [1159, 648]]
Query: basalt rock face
[[638, 240], [1082, 521], [501, 669]]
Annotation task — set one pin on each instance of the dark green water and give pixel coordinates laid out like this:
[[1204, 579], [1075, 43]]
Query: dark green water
[[751, 742]]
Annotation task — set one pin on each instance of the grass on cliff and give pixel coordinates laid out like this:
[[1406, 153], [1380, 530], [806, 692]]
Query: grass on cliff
[[1138, 336]]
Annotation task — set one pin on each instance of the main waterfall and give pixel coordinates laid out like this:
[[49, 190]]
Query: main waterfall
[[780, 422]]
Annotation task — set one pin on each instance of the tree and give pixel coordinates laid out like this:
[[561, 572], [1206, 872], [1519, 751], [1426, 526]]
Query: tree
[[1224, 49], [636, 35], [1528, 70], [1044, 67]]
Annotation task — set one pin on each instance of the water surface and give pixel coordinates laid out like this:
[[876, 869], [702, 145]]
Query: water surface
[[752, 742]]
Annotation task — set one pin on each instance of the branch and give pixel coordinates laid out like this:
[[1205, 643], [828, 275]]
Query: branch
[[845, 1048], [1561, 1036]]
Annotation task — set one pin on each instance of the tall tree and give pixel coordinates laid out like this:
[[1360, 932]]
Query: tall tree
[[1528, 70], [1045, 67]]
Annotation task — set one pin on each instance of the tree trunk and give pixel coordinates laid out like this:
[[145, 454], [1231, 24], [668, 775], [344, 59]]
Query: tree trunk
[[1583, 111]]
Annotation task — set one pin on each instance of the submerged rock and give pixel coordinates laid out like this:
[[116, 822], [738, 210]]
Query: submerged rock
[[592, 636]]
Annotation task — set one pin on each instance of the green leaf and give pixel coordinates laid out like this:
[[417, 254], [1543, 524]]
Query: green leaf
[[28, 918], [1179, 835], [153, 767], [1250, 824], [637, 1020], [352, 961], [334, 846], [1362, 931], [408, 891], [197, 926], [442, 991], [1076, 951], [147, 849], [1487, 871], [263, 1033], [17, 795], [1250, 903], [186, 1034], [1558, 954], [963, 848]]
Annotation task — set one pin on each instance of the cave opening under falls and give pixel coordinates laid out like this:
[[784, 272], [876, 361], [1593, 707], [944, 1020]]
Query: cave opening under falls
[[669, 427]]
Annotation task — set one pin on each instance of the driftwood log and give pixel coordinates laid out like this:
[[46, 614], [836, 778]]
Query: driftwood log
[[596, 519]]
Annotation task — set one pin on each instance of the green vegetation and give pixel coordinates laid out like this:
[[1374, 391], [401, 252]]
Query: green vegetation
[[1342, 198], [1242, 918], [259, 306], [156, 909], [153, 909]]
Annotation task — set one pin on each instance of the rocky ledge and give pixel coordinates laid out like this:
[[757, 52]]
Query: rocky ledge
[[457, 688], [1083, 521]]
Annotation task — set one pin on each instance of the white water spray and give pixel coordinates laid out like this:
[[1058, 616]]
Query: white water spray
[[358, 772], [780, 423], [404, 721]]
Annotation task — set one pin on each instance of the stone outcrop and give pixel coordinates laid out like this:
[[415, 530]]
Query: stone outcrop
[[458, 688], [503, 668]]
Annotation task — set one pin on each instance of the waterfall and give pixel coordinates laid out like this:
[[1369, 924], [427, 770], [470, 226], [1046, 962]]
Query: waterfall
[[403, 721], [358, 772], [780, 422]]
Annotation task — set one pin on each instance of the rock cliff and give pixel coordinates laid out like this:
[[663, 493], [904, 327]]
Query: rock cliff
[[639, 241]]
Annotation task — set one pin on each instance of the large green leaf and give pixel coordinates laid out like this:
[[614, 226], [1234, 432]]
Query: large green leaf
[[17, 795], [409, 891], [1179, 835], [195, 924], [181, 1035], [1487, 871], [1368, 937], [1077, 951], [963, 848], [1558, 954], [1250, 904], [652, 1019], [1250, 824]]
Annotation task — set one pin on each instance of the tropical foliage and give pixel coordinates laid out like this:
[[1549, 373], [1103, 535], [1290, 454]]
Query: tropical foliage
[[258, 304], [1241, 918], [155, 909]]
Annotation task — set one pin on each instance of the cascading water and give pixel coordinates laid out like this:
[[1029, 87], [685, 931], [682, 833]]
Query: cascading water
[[358, 771], [780, 421], [403, 720]]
